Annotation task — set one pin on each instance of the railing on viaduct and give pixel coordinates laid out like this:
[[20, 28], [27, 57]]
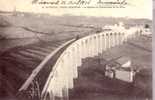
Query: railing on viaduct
[[65, 70]]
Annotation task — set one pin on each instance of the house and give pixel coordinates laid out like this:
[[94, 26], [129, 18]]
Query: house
[[121, 69]]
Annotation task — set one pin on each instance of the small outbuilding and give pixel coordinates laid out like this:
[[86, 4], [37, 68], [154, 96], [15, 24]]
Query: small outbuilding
[[121, 69]]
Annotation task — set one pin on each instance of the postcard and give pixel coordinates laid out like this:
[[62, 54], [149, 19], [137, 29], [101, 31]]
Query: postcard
[[76, 49]]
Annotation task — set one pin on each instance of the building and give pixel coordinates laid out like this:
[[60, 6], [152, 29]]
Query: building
[[120, 69], [115, 27]]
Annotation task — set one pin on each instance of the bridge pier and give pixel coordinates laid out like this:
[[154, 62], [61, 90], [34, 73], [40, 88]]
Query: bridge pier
[[115, 39], [70, 71], [102, 43], [89, 46], [105, 42], [74, 63], [94, 46], [65, 93]]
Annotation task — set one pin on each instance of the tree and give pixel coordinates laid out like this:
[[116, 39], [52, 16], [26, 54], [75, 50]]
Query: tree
[[146, 26]]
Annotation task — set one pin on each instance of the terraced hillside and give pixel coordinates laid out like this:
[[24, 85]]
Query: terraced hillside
[[18, 63]]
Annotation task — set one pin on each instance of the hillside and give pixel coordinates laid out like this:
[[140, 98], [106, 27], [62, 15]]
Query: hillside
[[11, 26], [29, 28]]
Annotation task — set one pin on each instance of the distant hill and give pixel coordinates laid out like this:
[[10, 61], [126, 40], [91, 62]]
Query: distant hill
[[4, 11], [11, 25]]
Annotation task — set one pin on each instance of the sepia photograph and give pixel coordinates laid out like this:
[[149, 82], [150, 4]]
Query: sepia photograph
[[76, 49]]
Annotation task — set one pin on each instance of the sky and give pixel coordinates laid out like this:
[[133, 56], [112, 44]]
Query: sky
[[135, 9]]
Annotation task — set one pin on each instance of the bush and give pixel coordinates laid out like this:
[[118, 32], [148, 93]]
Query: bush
[[146, 26], [4, 23], [2, 37]]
